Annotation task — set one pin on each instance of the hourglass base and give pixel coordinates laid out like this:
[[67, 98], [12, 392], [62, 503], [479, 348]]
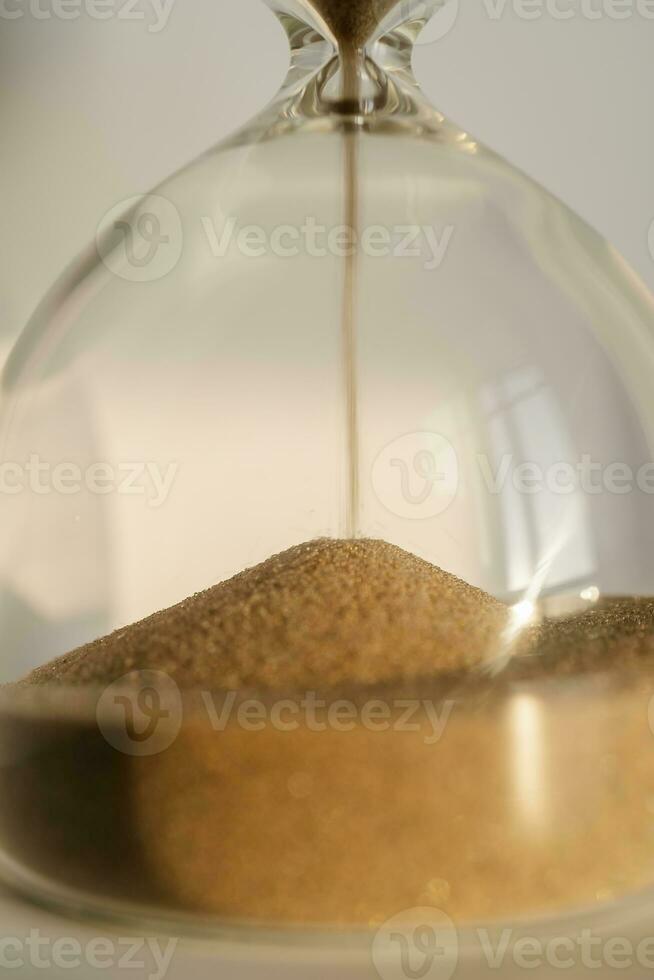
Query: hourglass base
[[585, 938], [515, 792]]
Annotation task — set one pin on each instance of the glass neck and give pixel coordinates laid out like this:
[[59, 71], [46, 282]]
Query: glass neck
[[357, 53]]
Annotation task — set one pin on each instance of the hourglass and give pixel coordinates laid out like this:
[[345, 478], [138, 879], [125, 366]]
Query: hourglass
[[349, 322]]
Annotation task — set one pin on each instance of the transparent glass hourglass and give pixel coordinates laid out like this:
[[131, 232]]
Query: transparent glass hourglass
[[353, 320]]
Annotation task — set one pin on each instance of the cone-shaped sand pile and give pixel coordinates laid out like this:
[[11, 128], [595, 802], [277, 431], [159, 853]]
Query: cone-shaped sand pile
[[323, 614]]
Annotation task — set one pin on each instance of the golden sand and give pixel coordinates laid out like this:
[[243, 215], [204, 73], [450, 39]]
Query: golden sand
[[322, 614], [521, 782], [353, 21]]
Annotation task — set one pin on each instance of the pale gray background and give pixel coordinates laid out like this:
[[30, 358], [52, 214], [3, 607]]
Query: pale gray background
[[92, 112]]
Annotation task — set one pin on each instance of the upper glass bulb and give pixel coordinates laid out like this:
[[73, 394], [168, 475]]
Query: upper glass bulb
[[350, 318]]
